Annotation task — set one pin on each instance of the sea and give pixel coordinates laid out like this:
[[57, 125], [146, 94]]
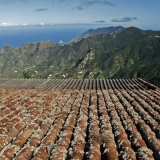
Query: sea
[[18, 35]]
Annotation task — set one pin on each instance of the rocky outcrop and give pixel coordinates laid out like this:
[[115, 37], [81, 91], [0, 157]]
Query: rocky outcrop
[[88, 58]]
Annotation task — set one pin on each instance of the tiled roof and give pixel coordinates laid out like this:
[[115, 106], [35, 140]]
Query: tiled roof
[[79, 119], [75, 84]]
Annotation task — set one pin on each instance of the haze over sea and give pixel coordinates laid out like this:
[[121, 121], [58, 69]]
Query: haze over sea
[[17, 36]]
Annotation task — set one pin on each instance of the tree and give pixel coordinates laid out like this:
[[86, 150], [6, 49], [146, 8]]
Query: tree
[[27, 74]]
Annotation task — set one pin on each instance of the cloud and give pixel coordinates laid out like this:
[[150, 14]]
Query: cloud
[[87, 3], [124, 19], [41, 9], [101, 21], [42, 24], [6, 24], [25, 24]]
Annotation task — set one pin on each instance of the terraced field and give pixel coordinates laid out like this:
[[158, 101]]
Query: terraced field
[[79, 119]]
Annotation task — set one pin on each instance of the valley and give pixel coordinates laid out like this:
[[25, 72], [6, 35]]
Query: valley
[[132, 53]]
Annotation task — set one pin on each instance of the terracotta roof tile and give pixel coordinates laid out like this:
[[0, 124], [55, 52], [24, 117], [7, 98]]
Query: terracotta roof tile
[[4, 121], [9, 153], [20, 126], [13, 133], [25, 154], [2, 130], [81, 119], [4, 140]]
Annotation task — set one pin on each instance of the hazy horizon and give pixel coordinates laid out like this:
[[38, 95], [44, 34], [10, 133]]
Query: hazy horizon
[[16, 36]]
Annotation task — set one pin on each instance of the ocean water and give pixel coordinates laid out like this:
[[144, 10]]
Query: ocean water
[[17, 36]]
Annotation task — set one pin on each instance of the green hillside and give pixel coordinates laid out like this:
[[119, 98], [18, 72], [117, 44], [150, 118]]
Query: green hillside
[[140, 59], [132, 53]]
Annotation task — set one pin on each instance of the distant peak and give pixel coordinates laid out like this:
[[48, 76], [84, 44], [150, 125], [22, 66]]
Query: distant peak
[[98, 31], [7, 45]]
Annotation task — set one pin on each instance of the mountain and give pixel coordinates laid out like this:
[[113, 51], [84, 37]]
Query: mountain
[[93, 32], [142, 60], [132, 53], [113, 56], [15, 61]]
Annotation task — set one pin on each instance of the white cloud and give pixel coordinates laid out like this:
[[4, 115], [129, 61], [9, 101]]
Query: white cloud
[[25, 24], [6, 24]]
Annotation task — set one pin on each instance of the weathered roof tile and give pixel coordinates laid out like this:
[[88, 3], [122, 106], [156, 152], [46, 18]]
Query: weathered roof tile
[[100, 118]]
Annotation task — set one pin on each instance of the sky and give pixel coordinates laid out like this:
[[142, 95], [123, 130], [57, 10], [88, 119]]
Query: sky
[[143, 14]]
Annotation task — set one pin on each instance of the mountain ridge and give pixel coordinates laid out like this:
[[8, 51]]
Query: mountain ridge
[[98, 31], [127, 54]]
